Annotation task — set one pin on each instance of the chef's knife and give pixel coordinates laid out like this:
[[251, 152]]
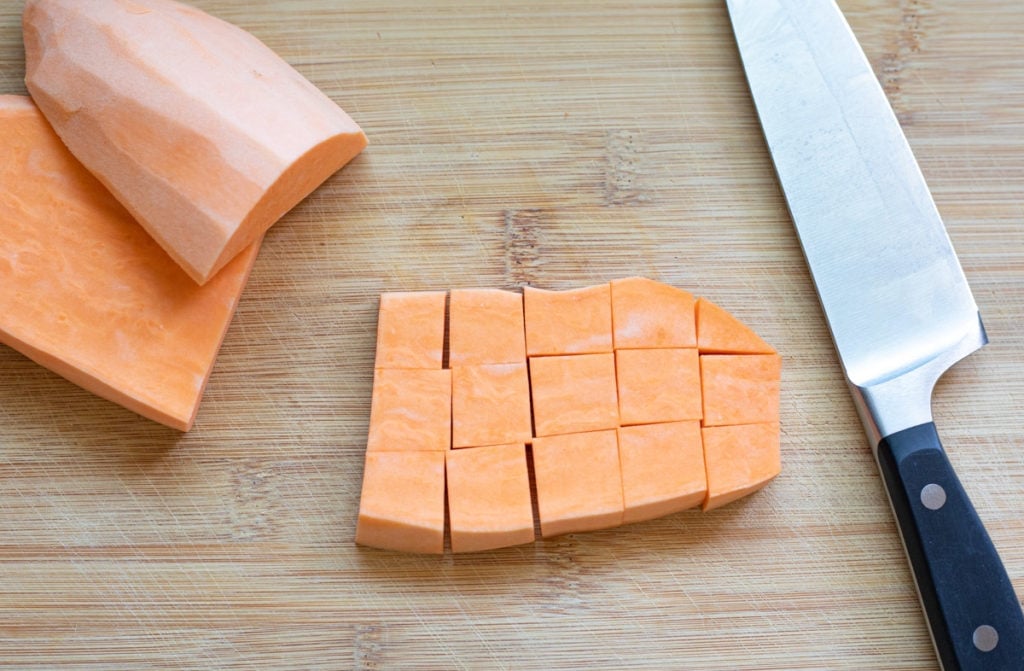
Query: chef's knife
[[896, 300]]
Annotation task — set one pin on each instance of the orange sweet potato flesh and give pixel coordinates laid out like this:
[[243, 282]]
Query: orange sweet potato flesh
[[485, 326], [740, 460], [410, 329], [489, 498], [579, 482], [201, 131], [662, 469], [410, 410], [490, 405], [88, 294], [577, 321], [402, 502], [648, 314], [682, 410], [718, 332]]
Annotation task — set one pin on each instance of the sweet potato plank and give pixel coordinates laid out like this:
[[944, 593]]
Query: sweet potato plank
[[202, 132], [88, 294]]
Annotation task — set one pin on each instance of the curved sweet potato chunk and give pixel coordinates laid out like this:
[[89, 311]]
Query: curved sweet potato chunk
[[201, 131]]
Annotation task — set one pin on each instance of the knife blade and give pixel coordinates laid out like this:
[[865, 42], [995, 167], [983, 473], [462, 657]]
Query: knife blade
[[897, 302]]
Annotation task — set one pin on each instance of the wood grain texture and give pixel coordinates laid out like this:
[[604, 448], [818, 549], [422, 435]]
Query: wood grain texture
[[556, 144]]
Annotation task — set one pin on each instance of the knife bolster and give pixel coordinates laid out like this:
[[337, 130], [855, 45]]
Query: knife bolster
[[904, 399]]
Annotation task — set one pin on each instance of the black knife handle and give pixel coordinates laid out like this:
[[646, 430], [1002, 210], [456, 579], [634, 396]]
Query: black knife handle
[[974, 615]]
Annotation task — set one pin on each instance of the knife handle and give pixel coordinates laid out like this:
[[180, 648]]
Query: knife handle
[[975, 618]]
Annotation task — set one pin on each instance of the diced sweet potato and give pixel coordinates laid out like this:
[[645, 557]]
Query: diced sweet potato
[[573, 393], [489, 502], [662, 469], [202, 132], [410, 329], [647, 314], [740, 460], [578, 321], [410, 410], [490, 405], [579, 482], [718, 332], [740, 388], [658, 385], [485, 326], [402, 502]]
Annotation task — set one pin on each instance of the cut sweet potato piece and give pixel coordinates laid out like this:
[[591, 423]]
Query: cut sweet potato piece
[[579, 482], [578, 321], [740, 388], [740, 460], [485, 326], [718, 332], [490, 405], [662, 469], [88, 294], [573, 393], [489, 502], [410, 410], [402, 502], [648, 314], [658, 385], [410, 330], [202, 132]]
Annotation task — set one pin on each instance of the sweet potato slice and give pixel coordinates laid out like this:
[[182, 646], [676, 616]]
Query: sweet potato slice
[[87, 293], [485, 326], [410, 410], [573, 393], [662, 469], [490, 405], [410, 329], [202, 132], [647, 314], [578, 321], [740, 459], [489, 502], [579, 482], [658, 385], [718, 332], [402, 502], [740, 388]]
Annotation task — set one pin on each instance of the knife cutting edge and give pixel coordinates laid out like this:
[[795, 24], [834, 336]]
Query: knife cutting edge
[[897, 302]]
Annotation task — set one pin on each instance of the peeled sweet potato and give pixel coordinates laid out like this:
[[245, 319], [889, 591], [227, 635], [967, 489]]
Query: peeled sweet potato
[[204, 134]]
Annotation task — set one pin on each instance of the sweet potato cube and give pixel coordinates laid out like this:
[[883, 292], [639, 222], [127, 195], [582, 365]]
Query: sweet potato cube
[[662, 469], [740, 459], [573, 393], [647, 314], [658, 385], [579, 482], [410, 410], [489, 502], [740, 388], [410, 329], [578, 321], [718, 332], [485, 326], [490, 405], [402, 502]]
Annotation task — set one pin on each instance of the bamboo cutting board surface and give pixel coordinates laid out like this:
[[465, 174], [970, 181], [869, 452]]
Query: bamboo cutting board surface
[[555, 144]]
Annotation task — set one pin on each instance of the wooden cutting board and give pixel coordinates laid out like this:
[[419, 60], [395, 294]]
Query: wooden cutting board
[[555, 144]]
